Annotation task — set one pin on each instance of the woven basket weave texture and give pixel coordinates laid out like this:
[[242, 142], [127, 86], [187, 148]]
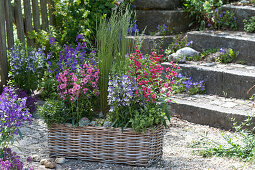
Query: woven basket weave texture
[[109, 145]]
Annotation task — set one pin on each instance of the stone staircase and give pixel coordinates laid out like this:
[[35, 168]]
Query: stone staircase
[[227, 85], [151, 13]]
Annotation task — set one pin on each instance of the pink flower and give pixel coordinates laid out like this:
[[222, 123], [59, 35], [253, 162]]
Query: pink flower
[[94, 84], [62, 86]]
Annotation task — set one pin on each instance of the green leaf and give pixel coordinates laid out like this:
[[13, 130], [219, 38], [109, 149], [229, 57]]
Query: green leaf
[[114, 123], [20, 134], [167, 113]]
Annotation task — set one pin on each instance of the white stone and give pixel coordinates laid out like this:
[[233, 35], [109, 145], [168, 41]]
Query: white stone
[[60, 160], [181, 54]]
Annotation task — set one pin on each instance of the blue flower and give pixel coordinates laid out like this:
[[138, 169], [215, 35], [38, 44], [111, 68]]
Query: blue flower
[[189, 43], [222, 50], [52, 40]]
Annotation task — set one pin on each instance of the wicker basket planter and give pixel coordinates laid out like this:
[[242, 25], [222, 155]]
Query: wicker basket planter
[[106, 144]]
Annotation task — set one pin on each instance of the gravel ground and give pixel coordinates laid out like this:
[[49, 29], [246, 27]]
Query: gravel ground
[[177, 153]]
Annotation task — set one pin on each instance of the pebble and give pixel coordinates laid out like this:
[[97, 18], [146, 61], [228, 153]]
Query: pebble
[[60, 160], [50, 165], [36, 158], [43, 161]]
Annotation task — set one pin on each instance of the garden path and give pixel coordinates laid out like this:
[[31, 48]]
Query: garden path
[[176, 152]]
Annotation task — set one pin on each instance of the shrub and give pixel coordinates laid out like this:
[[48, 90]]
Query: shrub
[[206, 14], [54, 111], [249, 25], [226, 56], [201, 12], [26, 67], [223, 20]]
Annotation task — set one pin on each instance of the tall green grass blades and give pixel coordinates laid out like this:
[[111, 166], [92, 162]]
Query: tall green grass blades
[[112, 46]]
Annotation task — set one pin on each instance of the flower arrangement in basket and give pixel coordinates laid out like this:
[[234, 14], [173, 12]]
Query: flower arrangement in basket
[[108, 109]]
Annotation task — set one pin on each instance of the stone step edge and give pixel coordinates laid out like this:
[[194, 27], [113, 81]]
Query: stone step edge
[[237, 40], [206, 114], [223, 82]]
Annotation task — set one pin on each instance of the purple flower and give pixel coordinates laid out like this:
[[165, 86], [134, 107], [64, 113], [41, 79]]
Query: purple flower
[[10, 161], [189, 43], [79, 37], [13, 111], [222, 50], [52, 40], [29, 159]]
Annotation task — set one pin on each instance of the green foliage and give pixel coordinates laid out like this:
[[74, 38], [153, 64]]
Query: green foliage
[[42, 39], [227, 56], [54, 111], [203, 55], [112, 47], [80, 17], [207, 14], [73, 18], [224, 20], [241, 145], [249, 25], [179, 41], [48, 86], [147, 117], [26, 67], [201, 11], [224, 56]]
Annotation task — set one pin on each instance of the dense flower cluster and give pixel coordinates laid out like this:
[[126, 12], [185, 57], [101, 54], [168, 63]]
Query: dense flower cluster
[[121, 91], [148, 73], [31, 100], [71, 58], [186, 84], [138, 99], [224, 20], [26, 67], [12, 111], [22, 62], [10, 160], [84, 81], [162, 28]]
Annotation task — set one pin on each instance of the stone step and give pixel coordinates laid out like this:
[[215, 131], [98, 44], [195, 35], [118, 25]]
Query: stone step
[[238, 41], [176, 20], [231, 80], [241, 13], [157, 4], [211, 110], [148, 42]]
